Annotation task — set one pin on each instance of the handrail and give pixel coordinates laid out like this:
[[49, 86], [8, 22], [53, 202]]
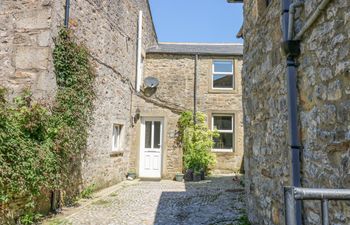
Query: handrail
[[294, 194]]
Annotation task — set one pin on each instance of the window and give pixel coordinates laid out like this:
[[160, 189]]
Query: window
[[224, 124], [223, 77], [152, 134], [117, 130]]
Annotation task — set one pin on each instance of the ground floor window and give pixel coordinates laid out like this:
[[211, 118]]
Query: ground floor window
[[224, 124], [117, 130]]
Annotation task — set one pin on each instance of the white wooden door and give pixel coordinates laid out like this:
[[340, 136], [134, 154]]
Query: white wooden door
[[151, 147]]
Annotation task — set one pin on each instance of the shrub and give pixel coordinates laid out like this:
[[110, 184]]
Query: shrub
[[28, 163], [41, 147], [196, 141]]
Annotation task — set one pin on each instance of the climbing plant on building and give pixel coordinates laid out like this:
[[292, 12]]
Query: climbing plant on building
[[41, 147], [74, 103]]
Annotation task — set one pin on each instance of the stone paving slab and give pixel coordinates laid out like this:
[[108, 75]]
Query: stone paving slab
[[217, 200]]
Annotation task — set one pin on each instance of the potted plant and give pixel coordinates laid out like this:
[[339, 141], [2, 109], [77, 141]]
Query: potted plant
[[196, 140], [197, 176], [179, 176], [131, 174], [202, 172], [188, 175]]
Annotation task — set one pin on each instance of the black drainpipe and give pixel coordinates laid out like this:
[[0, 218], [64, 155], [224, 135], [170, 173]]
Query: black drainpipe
[[66, 16], [195, 90], [292, 50]]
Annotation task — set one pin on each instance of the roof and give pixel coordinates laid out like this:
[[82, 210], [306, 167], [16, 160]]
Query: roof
[[198, 48]]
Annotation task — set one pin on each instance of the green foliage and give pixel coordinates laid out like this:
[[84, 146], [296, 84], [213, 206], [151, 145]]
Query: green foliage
[[74, 102], [27, 162], [87, 192], [29, 218], [196, 141], [243, 220], [41, 147]]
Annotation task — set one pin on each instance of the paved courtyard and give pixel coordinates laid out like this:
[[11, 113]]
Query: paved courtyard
[[217, 200]]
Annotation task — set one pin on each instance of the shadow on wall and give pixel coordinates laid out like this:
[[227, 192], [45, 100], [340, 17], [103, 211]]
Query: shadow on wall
[[216, 200]]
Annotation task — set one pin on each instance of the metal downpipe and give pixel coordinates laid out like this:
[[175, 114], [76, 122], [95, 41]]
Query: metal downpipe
[[195, 90], [293, 131], [294, 141], [66, 15]]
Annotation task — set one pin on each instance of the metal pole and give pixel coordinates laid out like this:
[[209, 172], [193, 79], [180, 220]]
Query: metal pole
[[320, 193], [66, 16], [325, 216], [290, 205], [195, 90], [139, 53]]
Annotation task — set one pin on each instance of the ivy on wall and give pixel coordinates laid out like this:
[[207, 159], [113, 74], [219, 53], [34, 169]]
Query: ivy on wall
[[41, 147]]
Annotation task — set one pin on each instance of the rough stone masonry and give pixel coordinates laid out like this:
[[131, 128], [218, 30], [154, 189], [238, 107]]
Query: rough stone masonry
[[323, 108], [109, 31]]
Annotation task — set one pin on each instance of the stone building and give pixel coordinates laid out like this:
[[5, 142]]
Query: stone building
[[323, 87], [122, 42], [215, 77], [109, 30]]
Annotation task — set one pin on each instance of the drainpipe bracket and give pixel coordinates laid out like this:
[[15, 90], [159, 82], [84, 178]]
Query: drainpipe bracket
[[291, 48]]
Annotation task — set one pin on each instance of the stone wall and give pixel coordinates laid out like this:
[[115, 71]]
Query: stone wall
[[323, 86], [109, 31], [175, 94], [25, 47]]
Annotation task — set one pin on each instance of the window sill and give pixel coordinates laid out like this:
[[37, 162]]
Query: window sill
[[116, 153], [222, 150], [223, 91]]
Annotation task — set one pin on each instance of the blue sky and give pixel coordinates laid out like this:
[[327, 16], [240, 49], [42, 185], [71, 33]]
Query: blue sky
[[197, 20]]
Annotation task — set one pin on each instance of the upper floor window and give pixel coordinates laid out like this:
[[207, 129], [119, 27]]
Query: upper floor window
[[117, 130], [224, 124], [223, 75]]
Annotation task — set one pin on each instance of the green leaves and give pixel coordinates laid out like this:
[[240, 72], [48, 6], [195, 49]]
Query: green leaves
[[196, 141], [41, 147], [23, 138]]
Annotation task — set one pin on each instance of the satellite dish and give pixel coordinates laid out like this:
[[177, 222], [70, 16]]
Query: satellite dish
[[151, 82]]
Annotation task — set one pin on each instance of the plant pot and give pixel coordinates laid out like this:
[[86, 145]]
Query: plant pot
[[179, 177], [202, 175], [189, 175], [197, 177], [132, 175]]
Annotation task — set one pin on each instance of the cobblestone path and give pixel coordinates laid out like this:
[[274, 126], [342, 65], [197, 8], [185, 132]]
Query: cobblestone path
[[217, 200]]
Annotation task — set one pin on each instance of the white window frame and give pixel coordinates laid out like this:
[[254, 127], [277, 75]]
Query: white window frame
[[117, 130], [232, 73], [224, 131]]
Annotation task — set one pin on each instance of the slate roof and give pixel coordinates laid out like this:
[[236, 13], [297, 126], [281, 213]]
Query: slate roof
[[198, 48]]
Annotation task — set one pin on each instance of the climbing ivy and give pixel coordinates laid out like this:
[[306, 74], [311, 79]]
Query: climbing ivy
[[196, 141], [74, 102], [41, 146]]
